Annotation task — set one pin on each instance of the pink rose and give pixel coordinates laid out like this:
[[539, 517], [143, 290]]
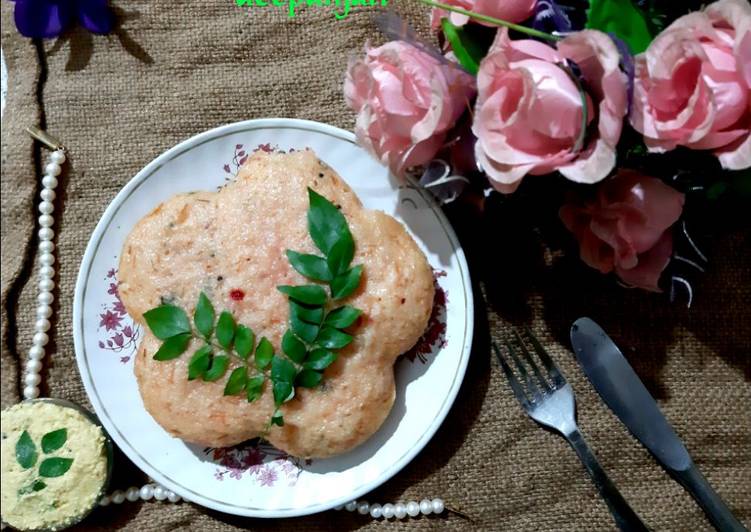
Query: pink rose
[[528, 117], [626, 229], [508, 10], [692, 85], [406, 100]]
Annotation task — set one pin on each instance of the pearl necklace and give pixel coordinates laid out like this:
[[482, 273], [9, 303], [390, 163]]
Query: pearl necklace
[[37, 351]]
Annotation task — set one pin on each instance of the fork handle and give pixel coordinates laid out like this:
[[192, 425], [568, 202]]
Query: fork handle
[[625, 517]]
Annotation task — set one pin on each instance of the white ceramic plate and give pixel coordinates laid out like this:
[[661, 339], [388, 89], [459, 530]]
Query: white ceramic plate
[[251, 480]]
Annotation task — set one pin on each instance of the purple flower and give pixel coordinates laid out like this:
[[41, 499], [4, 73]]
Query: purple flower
[[128, 331], [101, 344], [118, 339], [226, 168], [48, 18], [118, 307], [124, 360], [109, 320], [112, 290], [219, 475], [267, 476], [236, 473], [111, 273]]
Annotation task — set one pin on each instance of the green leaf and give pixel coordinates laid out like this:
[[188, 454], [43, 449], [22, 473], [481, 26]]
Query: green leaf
[[282, 370], [305, 313], [310, 294], [225, 329], [467, 52], [217, 369], [306, 331], [237, 381], [199, 362], [37, 485], [255, 387], [204, 316], [264, 353], [319, 359], [333, 338], [342, 317], [283, 391], [308, 378], [343, 285], [310, 266], [52, 441], [173, 347], [293, 347], [622, 18], [54, 467], [244, 340], [277, 419], [326, 224], [26, 451], [166, 321], [341, 255]]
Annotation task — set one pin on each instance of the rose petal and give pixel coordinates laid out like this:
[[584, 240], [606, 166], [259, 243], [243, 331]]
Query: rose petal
[[646, 274]]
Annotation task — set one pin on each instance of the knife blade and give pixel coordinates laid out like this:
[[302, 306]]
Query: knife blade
[[625, 394]]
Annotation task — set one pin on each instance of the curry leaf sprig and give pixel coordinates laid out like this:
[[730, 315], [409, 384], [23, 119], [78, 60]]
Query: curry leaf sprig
[[222, 338], [315, 332], [27, 455]]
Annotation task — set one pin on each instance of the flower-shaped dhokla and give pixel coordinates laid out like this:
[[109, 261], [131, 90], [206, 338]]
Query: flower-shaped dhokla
[[231, 245]]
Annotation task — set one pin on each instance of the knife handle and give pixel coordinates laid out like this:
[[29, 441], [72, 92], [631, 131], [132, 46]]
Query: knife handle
[[717, 511], [625, 517]]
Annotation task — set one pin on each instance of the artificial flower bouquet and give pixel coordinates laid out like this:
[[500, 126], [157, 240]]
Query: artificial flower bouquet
[[639, 110]]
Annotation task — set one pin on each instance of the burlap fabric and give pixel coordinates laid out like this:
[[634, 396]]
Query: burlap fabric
[[172, 70]]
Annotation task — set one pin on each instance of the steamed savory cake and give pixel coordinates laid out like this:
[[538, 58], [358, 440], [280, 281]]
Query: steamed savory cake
[[231, 245]]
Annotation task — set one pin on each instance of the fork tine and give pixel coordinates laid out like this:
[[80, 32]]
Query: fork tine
[[528, 356], [553, 371], [535, 393], [512, 380]]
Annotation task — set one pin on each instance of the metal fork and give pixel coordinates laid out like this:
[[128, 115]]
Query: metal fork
[[549, 400]]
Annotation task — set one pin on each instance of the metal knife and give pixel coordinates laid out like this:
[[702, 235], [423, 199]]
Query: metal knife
[[625, 394]]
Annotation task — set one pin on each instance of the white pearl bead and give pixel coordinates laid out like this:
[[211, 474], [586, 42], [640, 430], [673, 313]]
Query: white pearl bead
[[351, 506], [413, 509], [46, 246], [34, 366], [173, 497], [49, 181], [45, 298], [40, 339], [46, 284], [438, 506], [44, 311], [118, 497], [46, 220], [48, 194], [46, 259], [32, 379], [47, 272], [104, 501], [426, 506], [375, 511], [42, 325], [45, 233], [52, 169], [363, 507], [388, 511], [400, 511], [160, 493], [57, 157], [31, 392], [36, 352], [147, 492], [46, 207], [133, 494]]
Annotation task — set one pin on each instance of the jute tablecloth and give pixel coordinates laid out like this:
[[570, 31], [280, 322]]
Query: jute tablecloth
[[174, 69]]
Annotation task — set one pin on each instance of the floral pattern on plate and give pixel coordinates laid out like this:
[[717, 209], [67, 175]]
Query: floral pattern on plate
[[120, 333], [257, 460]]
